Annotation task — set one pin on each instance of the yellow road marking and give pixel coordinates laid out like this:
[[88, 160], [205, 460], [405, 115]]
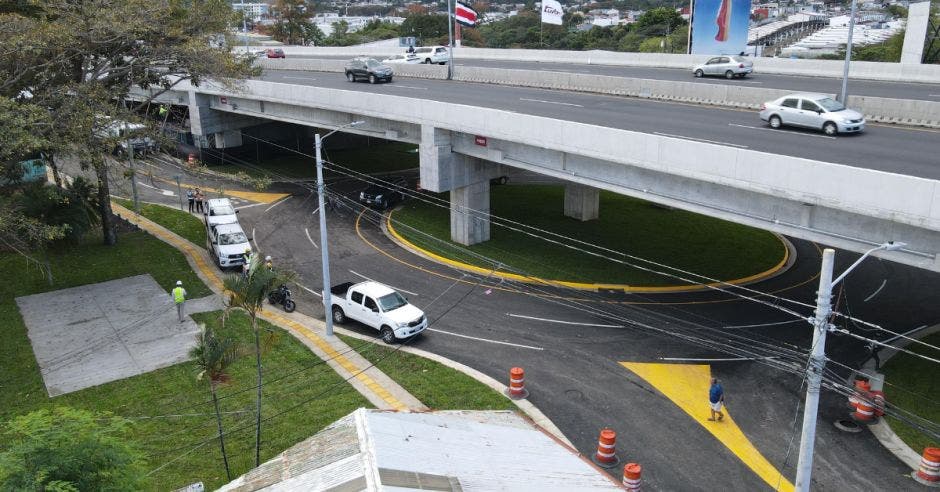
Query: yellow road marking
[[687, 386], [254, 196]]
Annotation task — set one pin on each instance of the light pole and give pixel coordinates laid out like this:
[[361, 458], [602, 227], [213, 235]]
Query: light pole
[[450, 40], [843, 96], [817, 359], [324, 245]]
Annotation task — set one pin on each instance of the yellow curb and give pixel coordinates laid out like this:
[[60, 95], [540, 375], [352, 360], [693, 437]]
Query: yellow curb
[[210, 273], [254, 196], [588, 286]]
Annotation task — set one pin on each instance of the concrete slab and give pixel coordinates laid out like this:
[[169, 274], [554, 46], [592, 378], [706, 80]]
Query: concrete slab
[[93, 334]]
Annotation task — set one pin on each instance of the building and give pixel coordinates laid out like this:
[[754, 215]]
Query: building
[[254, 10]]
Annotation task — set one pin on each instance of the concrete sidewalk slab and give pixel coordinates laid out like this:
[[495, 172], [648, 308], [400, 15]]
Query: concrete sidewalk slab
[[93, 334]]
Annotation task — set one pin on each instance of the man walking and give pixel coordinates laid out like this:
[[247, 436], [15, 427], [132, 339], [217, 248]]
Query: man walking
[[191, 198], [716, 397], [179, 297]]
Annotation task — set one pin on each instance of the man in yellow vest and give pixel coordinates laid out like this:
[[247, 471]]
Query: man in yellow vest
[[179, 297]]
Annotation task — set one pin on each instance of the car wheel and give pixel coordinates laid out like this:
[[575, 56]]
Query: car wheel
[[729, 74], [338, 315], [775, 122], [427, 61], [389, 80], [371, 79], [699, 73], [388, 336], [442, 63], [830, 128], [350, 77], [383, 204]]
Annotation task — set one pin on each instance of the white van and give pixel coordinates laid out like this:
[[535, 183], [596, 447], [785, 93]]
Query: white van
[[433, 54]]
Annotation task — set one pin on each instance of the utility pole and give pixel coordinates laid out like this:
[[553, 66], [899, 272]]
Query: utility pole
[[450, 37], [179, 190], [844, 95], [130, 157]]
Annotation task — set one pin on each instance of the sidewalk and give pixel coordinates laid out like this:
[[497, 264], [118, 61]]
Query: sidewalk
[[373, 384]]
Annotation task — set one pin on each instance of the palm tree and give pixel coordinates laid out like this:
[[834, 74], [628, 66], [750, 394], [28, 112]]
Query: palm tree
[[213, 356], [248, 292]]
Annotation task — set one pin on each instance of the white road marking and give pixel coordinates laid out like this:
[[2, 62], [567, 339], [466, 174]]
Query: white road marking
[[485, 339], [307, 232], [297, 78], [875, 293], [550, 102], [700, 140], [161, 190], [409, 87], [934, 95], [782, 131], [282, 200], [311, 291], [249, 206], [315, 211], [255, 240], [373, 280], [167, 193], [714, 360], [562, 322], [764, 324]]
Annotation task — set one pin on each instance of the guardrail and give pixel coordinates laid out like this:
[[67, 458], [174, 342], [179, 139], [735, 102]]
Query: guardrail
[[877, 109]]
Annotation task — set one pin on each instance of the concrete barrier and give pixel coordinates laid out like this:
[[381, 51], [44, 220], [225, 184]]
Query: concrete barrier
[[326, 65]]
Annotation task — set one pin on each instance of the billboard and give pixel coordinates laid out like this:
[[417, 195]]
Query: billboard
[[719, 27]]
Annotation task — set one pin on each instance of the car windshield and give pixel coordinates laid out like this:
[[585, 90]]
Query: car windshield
[[223, 210], [233, 238], [392, 301], [372, 63], [830, 104]]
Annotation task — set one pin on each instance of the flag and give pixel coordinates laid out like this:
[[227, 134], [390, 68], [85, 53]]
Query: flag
[[551, 12], [465, 15], [723, 20]]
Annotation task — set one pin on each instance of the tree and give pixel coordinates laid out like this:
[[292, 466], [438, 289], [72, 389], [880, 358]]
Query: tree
[[426, 28], [291, 21], [78, 60], [213, 355], [65, 449], [248, 293]]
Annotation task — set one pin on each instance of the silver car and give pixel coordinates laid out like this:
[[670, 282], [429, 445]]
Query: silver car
[[809, 110], [726, 66]]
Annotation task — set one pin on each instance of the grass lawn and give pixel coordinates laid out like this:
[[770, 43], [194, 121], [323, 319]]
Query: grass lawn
[[704, 245], [919, 376], [390, 156], [436, 385], [182, 223]]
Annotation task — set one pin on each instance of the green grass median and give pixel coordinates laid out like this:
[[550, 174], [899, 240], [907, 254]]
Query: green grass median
[[182, 223], [627, 227], [912, 384]]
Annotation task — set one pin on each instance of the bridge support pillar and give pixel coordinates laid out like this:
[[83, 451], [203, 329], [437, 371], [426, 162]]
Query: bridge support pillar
[[469, 213], [581, 202]]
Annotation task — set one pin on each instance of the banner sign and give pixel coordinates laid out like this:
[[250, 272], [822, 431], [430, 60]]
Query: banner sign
[[552, 12], [719, 27]]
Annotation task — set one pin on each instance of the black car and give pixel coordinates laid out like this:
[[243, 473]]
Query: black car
[[384, 194], [369, 69]]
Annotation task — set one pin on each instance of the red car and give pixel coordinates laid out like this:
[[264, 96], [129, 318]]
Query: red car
[[275, 53]]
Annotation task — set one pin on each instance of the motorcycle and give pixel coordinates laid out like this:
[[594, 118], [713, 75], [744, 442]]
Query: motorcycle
[[282, 296]]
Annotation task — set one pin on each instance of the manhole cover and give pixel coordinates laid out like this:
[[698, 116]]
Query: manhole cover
[[847, 425], [574, 394]]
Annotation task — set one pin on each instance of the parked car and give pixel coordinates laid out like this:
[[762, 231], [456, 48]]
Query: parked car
[[378, 306], [228, 244], [384, 195], [809, 110], [433, 54], [275, 53], [409, 58], [369, 69], [219, 211], [727, 66]]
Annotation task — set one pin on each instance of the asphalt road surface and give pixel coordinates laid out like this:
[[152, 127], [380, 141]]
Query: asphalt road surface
[[571, 344], [892, 149], [795, 83]]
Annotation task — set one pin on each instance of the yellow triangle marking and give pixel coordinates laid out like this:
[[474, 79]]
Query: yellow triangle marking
[[687, 386]]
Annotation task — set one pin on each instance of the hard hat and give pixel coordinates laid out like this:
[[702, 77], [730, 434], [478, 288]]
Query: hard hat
[[179, 282], [267, 258], [248, 250]]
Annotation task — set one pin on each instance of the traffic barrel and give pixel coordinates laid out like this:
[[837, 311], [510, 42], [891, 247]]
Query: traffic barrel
[[631, 476], [878, 402], [861, 387], [929, 472], [606, 455], [517, 389], [865, 410], [191, 160]]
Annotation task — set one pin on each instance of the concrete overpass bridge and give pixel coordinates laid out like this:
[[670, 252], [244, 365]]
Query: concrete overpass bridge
[[462, 147]]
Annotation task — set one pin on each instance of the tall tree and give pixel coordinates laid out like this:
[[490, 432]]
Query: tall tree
[[77, 60], [213, 355], [291, 21]]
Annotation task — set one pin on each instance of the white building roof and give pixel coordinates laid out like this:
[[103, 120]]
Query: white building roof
[[453, 450]]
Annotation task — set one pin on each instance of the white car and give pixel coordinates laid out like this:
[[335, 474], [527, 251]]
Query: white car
[[408, 58], [228, 244], [433, 54], [219, 211], [809, 110], [726, 66], [379, 306]]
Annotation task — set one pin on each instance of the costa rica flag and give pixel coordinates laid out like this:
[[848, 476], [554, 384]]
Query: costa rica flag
[[465, 16]]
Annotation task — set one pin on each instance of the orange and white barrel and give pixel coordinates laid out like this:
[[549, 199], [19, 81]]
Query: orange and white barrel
[[631, 476], [878, 401], [606, 454], [861, 387], [865, 410], [517, 383], [929, 471]]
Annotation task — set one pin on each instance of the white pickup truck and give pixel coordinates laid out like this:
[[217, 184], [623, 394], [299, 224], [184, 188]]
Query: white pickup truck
[[378, 306]]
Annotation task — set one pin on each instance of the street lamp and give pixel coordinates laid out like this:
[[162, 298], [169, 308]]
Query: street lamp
[[324, 248], [817, 359], [843, 97]]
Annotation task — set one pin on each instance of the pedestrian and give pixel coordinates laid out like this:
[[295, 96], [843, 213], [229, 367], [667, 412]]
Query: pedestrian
[[716, 397], [269, 263], [191, 198], [199, 199], [179, 297]]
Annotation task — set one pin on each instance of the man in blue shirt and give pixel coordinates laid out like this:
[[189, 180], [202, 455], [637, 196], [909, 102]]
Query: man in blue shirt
[[716, 397]]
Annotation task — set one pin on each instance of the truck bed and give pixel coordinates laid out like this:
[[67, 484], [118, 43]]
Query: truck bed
[[340, 290]]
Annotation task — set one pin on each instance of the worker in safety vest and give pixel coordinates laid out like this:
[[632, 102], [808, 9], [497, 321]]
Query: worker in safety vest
[[179, 297], [246, 267]]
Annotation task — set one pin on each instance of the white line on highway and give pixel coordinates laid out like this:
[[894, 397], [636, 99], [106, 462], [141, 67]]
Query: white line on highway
[[934, 95], [781, 131], [765, 324], [307, 232], [297, 78], [485, 339], [875, 293], [550, 102], [311, 291], [409, 87], [372, 280], [686, 359], [561, 322], [277, 203], [249, 206], [700, 140]]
